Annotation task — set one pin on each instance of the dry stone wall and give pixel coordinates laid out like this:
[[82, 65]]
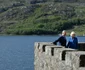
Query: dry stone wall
[[54, 57]]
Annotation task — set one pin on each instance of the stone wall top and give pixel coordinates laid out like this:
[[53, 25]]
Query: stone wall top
[[55, 57]]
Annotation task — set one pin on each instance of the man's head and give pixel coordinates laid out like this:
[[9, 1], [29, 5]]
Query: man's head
[[63, 33], [72, 34]]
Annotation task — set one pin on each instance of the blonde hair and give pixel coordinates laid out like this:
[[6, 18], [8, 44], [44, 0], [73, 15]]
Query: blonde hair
[[72, 33]]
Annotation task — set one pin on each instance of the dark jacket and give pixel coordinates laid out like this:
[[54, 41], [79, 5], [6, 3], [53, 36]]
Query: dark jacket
[[73, 43], [61, 40]]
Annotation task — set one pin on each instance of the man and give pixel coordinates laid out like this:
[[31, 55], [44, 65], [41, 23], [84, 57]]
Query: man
[[61, 39], [73, 41]]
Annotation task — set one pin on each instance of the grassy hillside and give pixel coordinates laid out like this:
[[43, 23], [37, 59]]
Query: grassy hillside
[[80, 30], [19, 17]]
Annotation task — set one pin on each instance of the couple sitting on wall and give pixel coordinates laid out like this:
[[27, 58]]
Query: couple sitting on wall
[[72, 43]]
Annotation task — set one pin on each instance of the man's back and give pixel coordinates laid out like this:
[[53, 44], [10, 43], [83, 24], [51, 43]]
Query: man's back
[[61, 40]]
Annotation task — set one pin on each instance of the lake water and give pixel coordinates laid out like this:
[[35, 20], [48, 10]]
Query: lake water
[[17, 52]]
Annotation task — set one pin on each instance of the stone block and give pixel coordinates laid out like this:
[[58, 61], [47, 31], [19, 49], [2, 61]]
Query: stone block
[[50, 57], [39, 52], [60, 57], [75, 60], [55, 57]]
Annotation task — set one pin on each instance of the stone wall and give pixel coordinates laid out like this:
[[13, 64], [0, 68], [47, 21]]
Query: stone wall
[[81, 46], [54, 57]]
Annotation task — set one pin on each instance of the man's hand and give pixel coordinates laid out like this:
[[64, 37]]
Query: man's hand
[[54, 43]]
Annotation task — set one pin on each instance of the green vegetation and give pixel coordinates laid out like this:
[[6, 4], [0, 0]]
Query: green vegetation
[[19, 17]]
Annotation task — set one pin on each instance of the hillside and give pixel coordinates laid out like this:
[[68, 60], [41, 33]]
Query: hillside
[[28, 17]]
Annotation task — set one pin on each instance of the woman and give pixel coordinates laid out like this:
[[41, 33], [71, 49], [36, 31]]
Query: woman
[[73, 41]]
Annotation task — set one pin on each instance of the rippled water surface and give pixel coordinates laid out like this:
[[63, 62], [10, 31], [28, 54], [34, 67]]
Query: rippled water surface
[[17, 52]]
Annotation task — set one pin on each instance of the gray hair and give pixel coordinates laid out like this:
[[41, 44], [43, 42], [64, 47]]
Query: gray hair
[[63, 32]]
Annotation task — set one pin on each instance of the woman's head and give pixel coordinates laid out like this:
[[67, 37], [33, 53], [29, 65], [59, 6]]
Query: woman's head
[[72, 34]]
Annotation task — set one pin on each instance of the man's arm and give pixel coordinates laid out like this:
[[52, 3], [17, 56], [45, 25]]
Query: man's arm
[[67, 46], [55, 42], [77, 43]]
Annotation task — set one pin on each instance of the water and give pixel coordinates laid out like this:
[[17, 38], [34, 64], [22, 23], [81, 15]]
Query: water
[[17, 52]]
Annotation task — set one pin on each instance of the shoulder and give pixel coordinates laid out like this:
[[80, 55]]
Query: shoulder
[[60, 36], [70, 39], [75, 37]]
